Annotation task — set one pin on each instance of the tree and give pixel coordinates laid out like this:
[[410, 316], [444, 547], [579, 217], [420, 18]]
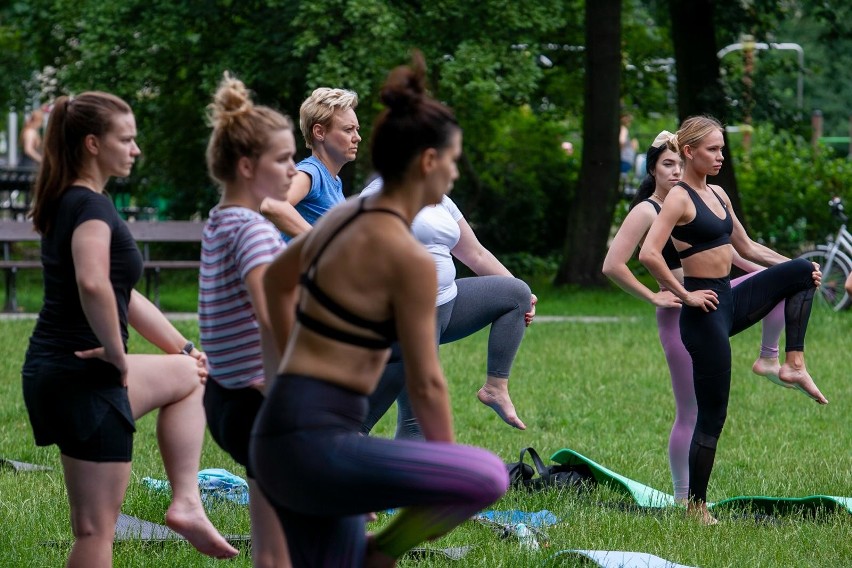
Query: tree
[[591, 211], [699, 87]]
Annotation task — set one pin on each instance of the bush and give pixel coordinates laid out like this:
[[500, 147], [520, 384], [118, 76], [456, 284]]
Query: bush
[[785, 188], [525, 183]]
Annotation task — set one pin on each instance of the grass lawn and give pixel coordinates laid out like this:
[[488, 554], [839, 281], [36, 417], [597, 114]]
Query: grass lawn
[[598, 387]]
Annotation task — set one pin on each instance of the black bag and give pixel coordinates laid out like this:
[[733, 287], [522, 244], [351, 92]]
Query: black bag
[[559, 476]]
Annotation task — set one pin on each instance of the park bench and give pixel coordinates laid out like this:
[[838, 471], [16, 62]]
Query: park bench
[[145, 233]]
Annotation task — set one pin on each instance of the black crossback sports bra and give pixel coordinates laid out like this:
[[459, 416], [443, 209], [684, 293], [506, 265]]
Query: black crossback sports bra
[[386, 329], [670, 254], [706, 230]]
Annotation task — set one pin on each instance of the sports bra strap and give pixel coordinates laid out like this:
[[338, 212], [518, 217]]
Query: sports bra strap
[[337, 334]]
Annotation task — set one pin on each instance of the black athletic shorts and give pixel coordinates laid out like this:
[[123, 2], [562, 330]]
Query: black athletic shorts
[[79, 405], [230, 417]]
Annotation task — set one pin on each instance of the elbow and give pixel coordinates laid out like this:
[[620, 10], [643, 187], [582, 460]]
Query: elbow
[[89, 286], [646, 257]]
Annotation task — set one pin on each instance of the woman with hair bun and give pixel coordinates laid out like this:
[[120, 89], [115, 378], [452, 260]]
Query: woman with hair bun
[[366, 282], [82, 389], [250, 157], [702, 224], [664, 168]]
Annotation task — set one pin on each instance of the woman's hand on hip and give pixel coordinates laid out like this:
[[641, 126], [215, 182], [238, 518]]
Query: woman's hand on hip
[[705, 299]]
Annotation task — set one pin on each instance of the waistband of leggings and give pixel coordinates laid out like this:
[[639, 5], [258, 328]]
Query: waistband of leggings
[[693, 283]]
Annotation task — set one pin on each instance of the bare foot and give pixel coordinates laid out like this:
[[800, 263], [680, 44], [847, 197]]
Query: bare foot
[[190, 521], [768, 368], [700, 513], [798, 377], [497, 398], [374, 557]]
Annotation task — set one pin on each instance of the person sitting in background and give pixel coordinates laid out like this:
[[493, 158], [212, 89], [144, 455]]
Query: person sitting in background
[[31, 140], [330, 127]]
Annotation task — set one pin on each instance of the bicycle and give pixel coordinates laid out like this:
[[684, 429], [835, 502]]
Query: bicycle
[[835, 260]]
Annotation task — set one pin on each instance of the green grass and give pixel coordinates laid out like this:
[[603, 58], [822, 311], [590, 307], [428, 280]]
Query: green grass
[[600, 388]]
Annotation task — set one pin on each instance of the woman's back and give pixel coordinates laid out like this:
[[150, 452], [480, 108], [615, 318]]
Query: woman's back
[[354, 267]]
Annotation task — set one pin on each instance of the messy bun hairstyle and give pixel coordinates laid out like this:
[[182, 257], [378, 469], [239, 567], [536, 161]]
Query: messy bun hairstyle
[[411, 122], [240, 128]]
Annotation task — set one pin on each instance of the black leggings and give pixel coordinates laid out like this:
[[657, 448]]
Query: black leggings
[[706, 337]]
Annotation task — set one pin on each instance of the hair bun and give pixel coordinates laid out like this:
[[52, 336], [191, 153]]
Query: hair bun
[[232, 99], [405, 87]]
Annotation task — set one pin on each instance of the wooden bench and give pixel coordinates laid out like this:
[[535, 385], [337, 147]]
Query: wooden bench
[[145, 233]]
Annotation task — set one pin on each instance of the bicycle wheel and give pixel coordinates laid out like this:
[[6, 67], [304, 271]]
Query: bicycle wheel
[[832, 289]]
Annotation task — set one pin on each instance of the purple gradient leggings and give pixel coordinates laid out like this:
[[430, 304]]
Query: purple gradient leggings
[[322, 476], [680, 368]]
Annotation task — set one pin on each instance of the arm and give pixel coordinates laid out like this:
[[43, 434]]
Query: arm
[[651, 255], [414, 308], [623, 246], [280, 291], [745, 265], [269, 348], [283, 213], [475, 256], [482, 262], [744, 246], [90, 244], [151, 324]]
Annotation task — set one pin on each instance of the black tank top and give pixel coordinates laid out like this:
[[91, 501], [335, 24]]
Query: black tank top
[[706, 230], [670, 254], [386, 329]]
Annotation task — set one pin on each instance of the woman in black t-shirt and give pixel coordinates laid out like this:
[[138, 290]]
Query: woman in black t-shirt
[[82, 390]]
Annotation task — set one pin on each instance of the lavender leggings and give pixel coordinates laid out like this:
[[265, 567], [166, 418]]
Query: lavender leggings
[[322, 476], [680, 368]]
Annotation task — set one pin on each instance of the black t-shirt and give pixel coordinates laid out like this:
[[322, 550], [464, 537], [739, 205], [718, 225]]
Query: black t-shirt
[[62, 325]]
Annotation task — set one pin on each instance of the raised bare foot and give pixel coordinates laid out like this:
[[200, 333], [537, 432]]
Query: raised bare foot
[[374, 557], [700, 513], [768, 368], [191, 522], [497, 397], [798, 377]]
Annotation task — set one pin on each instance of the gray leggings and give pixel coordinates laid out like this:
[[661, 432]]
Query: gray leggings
[[500, 301]]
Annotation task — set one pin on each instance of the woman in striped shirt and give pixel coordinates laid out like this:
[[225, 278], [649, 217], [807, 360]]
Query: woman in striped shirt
[[250, 156]]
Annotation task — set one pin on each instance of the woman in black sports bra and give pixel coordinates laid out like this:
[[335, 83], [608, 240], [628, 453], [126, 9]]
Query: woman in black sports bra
[[366, 282], [705, 230], [664, 168]]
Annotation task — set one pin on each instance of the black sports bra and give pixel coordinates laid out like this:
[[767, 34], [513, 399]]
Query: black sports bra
[[670, 254], [386, 329], [706, 230]]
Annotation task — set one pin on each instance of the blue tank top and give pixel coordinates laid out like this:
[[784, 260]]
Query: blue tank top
[[706, 230]]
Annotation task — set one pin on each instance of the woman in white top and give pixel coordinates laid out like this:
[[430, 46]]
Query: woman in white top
[[465, 305]]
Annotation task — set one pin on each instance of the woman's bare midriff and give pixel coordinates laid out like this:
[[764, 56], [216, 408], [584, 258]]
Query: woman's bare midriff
[[711, 263]]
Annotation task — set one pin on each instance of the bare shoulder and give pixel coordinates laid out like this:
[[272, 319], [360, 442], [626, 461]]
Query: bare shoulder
[[720, 191]]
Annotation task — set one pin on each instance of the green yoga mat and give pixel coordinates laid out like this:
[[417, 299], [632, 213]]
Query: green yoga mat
[[649, 497], [643, 495]]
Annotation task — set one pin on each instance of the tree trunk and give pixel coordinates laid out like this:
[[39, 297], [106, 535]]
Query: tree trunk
[[699, 86], [590, 215]]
